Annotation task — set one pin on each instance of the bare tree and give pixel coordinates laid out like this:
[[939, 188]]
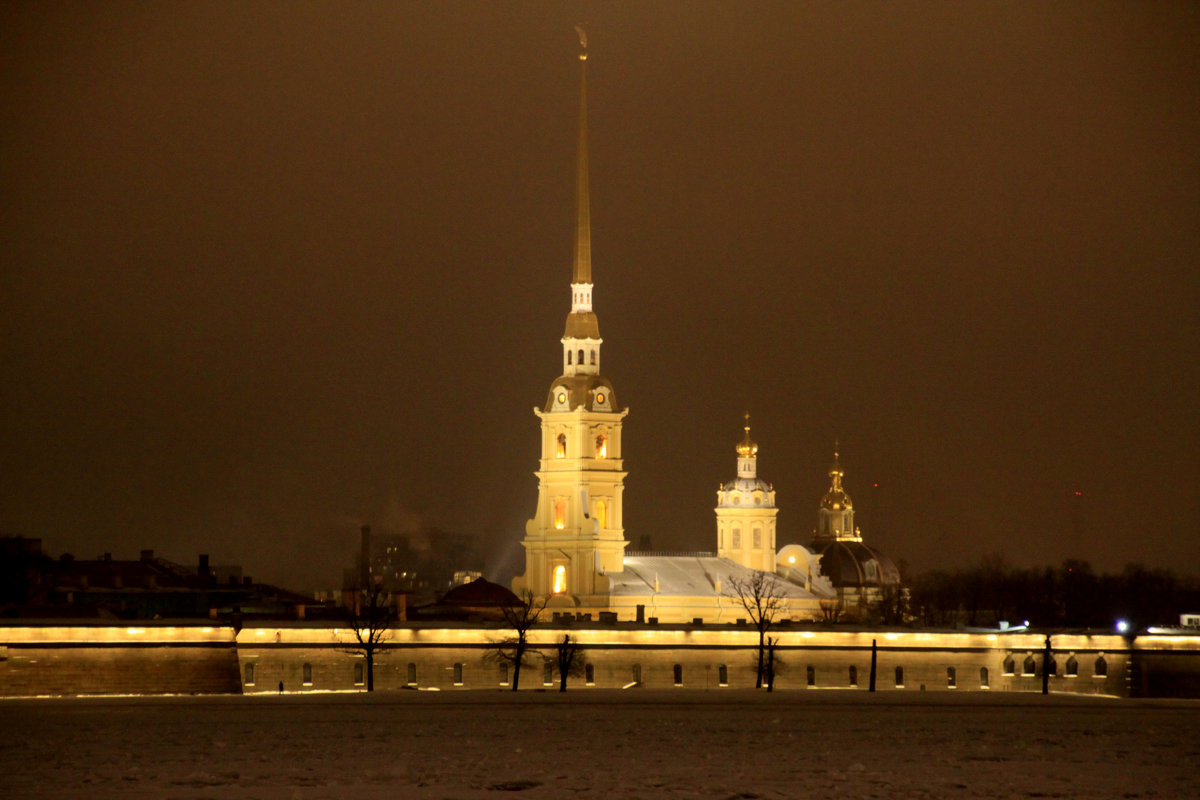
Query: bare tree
[[569, 654], [371, 619], [515, 650], [762, 596]]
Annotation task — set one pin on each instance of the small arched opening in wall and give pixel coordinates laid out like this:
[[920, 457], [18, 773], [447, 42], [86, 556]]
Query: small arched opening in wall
[[1100, 670], [853, 676], [983, 678]]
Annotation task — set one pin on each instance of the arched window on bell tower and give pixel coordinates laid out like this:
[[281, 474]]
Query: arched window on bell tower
[[561, 451], [602, 446], [568, 358], [601, 514], [560, 513], [560, 579]]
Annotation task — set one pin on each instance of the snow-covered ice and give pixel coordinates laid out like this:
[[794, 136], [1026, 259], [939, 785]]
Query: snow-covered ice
[[602, 744]]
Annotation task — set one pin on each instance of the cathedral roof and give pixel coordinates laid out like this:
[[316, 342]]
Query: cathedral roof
[[689, 576], [746, 485], [851, 564]]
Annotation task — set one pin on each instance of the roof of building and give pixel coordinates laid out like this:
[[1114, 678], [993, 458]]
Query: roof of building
[[582, 391], [850, 563], [689, 576]]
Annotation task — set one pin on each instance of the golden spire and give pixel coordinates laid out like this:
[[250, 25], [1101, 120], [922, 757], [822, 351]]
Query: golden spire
[[747, 447], [835, 472], [583, 217]]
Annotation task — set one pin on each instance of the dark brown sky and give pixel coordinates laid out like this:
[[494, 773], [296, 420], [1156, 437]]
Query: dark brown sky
[[272, 270]]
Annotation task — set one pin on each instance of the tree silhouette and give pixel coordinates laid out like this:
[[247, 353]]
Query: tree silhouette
[[515, 650], [761, 594]]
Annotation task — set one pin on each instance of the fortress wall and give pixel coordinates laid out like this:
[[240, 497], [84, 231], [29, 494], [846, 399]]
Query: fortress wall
[[83, 659], [155, 659]]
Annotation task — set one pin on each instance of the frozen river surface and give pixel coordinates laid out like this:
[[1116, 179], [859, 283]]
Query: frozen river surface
[[601, 744]]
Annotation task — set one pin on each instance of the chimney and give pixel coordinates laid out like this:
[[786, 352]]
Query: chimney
[[202, 569], [147, 556], [364, 567]]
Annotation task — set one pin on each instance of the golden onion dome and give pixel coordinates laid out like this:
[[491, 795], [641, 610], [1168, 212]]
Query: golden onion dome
[[747, 447]]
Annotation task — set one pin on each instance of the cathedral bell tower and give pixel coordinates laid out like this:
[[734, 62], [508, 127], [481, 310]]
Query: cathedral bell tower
[[746, 512], [577, 536]]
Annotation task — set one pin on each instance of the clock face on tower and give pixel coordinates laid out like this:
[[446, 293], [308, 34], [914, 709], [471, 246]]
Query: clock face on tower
[[600, 398], [562, 397]]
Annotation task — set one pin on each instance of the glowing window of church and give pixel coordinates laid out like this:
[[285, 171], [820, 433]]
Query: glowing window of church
[[602, 446], [581, 355], [560, 514], [560, 579], [757, 539], [561, 451], [737, 538], [602, 514], [593, 358]]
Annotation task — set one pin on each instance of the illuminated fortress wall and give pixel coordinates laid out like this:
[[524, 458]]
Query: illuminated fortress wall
[[106, 659], [164, 659]]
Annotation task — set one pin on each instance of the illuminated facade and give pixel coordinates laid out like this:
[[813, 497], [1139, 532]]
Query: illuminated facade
[[746, 512], [576, 537]]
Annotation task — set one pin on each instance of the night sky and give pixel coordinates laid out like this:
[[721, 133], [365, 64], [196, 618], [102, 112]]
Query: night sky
[[269, 271]]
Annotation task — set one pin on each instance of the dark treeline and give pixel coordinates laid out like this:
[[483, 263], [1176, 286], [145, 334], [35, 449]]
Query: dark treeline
[[1072, 595]]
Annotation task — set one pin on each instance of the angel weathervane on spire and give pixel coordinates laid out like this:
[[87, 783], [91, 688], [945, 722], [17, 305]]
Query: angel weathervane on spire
[[582, 41]]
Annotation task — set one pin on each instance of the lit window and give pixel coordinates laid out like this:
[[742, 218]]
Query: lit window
[[602, 446], [561, 451], [560, 578], [560, 513], [593, 358]]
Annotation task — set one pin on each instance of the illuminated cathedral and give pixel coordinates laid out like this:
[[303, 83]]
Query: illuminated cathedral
[[575, 546]]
